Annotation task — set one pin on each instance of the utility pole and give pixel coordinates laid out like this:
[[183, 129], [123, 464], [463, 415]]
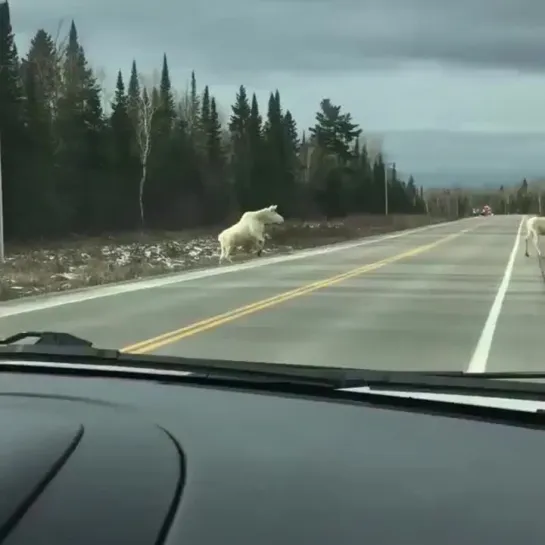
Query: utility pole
[[385, 189], [386, 186]]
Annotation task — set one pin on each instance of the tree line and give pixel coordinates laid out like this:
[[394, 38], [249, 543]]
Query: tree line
[[520, 198], [72, 166]]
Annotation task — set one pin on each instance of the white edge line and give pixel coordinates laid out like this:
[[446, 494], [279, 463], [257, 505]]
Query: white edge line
[[14, 308], [479, 359]]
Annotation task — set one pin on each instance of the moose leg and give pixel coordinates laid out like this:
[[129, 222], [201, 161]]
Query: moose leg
[[536, 243], [226, 253], [260, 245], [530, 232]]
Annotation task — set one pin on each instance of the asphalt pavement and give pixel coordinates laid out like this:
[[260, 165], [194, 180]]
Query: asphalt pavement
[[451, 297]]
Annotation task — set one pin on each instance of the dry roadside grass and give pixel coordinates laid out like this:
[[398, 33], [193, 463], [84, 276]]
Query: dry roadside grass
[[314, 233], [78, 263]]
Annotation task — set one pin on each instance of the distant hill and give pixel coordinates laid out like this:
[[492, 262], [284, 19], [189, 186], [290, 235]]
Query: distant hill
[[467, 179], [467, 159]]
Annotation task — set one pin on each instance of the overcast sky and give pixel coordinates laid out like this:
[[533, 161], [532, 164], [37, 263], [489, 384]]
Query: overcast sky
[[398, 66]]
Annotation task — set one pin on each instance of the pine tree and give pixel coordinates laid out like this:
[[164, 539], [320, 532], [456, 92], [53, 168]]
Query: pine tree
[[120, 121], [333, 131], [205, 110], [11, 92], [81, 133], [255, 123], [125, 159], [134, 95], [12, 122], [42, 58], [201, 138], [254, 132], [240, 115], [280, 159], [193, 120], [166, 99], [240, 157], [215, 152], [291, 132], [40, 182], [256, 150]]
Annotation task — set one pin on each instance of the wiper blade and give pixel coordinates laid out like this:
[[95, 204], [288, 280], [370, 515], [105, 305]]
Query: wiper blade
[[491, 374], [59, 347], [64, 348]]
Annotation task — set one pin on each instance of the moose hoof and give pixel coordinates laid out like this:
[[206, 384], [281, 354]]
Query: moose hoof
[[259, 252], [527, 254]]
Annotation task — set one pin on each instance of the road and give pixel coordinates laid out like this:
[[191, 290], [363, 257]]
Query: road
[[452, 297]]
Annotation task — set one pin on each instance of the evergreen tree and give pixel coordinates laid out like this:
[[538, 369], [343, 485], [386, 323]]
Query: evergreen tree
[[166, 99], [193, 121], [213, 134], [134, 95], [12, 123], [201, 139], [205, 111], [240, 153], [43, 60], [275, 141], [81, 134], [291, 132], [125, 162], [333, 131]]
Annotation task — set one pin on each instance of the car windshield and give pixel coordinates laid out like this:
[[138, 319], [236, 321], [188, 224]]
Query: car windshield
[[346, 184]]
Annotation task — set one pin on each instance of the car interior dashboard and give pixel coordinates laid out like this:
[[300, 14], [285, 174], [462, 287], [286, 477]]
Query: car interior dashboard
[[102, 460]]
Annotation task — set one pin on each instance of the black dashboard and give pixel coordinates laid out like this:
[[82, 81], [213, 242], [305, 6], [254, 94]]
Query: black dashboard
[[94, 461]]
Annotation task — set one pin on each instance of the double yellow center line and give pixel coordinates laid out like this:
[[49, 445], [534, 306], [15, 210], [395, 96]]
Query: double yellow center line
[[170, 337]]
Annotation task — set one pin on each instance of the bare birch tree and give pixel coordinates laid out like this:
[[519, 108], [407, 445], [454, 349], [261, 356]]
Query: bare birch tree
[[106, 93], [143, 130], [183, 106], [188, 106], [374, 147], [60, 50]]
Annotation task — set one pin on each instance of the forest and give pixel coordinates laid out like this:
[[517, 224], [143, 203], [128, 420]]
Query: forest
[[159, 159]]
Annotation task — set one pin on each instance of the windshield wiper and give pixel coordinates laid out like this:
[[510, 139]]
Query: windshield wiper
[[64, 348], [498, 375]]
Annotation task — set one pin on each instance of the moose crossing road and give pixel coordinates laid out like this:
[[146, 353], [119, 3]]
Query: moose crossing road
[[453, 296]]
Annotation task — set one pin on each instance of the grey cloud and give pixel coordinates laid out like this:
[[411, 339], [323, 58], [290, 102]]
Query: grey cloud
[[315, 35]]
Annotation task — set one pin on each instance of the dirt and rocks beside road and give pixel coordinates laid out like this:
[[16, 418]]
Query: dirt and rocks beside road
[[79, 262]]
